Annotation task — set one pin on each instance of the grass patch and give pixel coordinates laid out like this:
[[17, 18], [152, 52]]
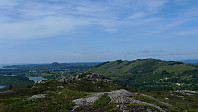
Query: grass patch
[[148, 100], [20, 103], [101, 102], [142, 106]]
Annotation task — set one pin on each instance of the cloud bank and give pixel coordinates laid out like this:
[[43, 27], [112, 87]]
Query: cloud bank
[[24, 19]]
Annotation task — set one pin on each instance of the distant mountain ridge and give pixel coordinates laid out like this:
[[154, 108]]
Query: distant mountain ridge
[[151, 74], [193, 61]]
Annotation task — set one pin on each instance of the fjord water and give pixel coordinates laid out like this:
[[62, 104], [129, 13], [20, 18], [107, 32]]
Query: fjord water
[[2, 87], [3, 65], [9, 75]]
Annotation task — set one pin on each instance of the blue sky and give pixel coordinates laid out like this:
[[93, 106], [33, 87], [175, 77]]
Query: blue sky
[[43, 31]]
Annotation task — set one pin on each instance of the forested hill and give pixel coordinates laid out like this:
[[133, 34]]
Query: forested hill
[[151, 74]]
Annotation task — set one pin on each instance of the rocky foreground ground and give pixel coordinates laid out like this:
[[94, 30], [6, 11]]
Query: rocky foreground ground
[[88, 92], [118, 96]]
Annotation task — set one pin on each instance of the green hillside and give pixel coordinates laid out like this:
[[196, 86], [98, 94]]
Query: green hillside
[[88, 92], [53, 95], [151, 74]]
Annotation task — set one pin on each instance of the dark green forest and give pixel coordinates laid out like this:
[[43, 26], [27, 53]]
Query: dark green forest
[[14, 81]]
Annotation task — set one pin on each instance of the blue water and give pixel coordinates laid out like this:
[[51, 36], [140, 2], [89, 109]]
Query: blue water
[[9, 75], [2, 87], [36, 79], [2, 65]]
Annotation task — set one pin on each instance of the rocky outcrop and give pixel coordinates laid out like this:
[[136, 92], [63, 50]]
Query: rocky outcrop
[[86, 76], [166, 104], [85, 101], [118, 96], [187, 92], [8, 91], [34, 97], [41, 82]]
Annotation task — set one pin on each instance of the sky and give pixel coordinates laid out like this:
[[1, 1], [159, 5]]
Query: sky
[[44, 31]]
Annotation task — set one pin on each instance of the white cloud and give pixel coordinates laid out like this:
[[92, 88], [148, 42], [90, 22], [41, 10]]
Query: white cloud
[[44, 27], [187, 33], [22, 19], [137, 15], [7, 4], [110, 30]]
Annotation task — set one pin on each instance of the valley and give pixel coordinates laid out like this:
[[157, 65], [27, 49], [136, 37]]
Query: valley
[[116, 86], [88, 92]]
